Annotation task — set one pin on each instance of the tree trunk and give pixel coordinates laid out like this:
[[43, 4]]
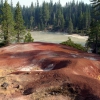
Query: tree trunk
[[18, 37], [96, 44]]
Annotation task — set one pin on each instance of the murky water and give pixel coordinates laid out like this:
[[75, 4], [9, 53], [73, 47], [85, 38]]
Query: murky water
[[56, 37]]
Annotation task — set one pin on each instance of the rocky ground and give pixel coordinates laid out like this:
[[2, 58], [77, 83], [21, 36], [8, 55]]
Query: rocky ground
[[46, 71]]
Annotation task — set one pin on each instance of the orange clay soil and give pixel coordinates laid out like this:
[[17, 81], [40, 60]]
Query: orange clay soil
[[46, 71]]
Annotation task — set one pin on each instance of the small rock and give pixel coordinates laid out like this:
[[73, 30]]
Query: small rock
[[28, 91], [52, 93], [4, 85]]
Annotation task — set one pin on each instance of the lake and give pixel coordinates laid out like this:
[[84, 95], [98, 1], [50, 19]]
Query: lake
[[57, 37]]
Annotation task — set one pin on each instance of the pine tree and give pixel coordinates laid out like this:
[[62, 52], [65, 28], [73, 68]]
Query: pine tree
[[1, 2], [31, 22], [19, 23], [36, 16], [45, 12], [81, 21], [31, 16], [41, 19], [60, 17], [1, 5], [94, 35], [12, 8], [70, 27], [7, 23], [51, 12]]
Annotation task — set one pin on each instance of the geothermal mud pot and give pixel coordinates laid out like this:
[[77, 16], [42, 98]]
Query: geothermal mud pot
[[47, 71]]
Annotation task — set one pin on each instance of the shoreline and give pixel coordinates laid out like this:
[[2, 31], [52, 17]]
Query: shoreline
[[57, 37], [78, 36]]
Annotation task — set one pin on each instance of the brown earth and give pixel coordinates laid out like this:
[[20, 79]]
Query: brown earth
[[46, 71]]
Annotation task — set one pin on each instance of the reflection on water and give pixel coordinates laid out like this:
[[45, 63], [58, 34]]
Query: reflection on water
[[55, 37]]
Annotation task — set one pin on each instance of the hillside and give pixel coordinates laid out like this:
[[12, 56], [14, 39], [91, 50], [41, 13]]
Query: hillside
[[47, 71]]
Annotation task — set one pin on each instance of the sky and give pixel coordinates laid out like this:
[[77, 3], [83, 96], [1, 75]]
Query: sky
[[28, 2]]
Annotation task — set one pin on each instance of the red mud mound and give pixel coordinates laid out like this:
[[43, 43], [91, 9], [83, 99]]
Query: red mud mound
[[46, 71]]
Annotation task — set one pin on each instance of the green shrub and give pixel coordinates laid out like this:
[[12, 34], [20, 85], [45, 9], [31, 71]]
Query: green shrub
[[70, 43], [28, 38]]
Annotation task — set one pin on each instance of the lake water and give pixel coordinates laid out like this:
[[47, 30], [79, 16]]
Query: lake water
[[57, 37]]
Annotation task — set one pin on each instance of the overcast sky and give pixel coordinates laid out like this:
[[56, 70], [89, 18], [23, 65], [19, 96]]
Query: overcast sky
[[28, 2]]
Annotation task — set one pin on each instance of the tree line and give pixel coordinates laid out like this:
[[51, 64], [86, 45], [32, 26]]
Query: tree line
[[72, 17]]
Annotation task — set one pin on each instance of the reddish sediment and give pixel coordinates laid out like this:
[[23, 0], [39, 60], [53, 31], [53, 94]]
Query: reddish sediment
[[27, 69]]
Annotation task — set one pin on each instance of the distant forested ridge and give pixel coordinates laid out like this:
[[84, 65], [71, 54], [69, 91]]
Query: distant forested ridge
[[73, 17]]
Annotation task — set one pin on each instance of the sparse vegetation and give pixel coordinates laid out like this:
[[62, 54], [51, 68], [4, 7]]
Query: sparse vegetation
[[69, 42], [58, 91], [64, 90]]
